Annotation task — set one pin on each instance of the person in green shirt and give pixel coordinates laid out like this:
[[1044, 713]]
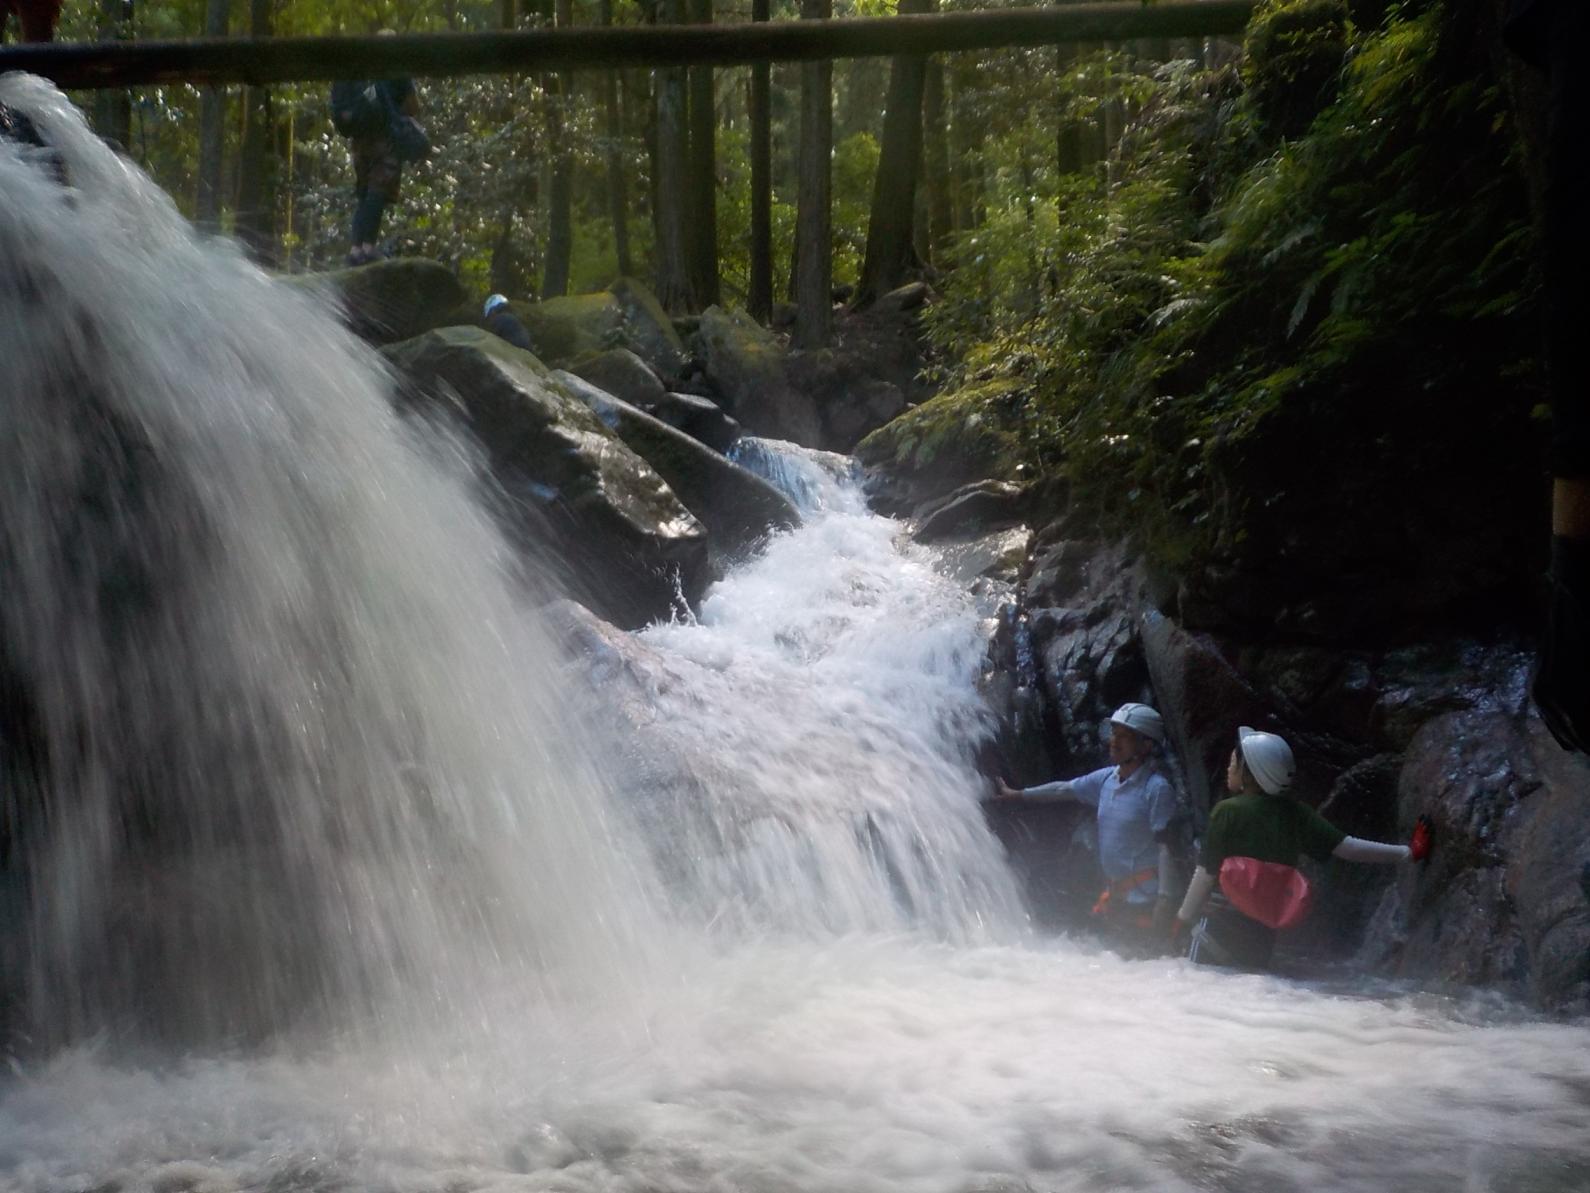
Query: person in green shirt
[[1251, 849]]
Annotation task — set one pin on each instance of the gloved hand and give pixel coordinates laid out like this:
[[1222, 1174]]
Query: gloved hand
[[1423, 839], [1562, 678]]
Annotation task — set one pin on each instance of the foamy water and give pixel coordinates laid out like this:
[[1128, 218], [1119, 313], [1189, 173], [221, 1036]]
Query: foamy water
[[873, 1063]]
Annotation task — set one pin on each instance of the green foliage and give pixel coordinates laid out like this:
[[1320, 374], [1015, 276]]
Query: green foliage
[[1222, 296], [1293, 61]]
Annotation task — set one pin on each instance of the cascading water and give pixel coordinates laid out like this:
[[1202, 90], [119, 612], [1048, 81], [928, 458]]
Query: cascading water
[[267, 670], [276, 745]]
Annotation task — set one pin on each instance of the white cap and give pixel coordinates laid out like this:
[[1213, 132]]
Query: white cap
[[1142, 719], [1268, 759], [492, 303]]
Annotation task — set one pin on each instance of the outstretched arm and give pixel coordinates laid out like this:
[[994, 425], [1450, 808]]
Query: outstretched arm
[[1356, 849]]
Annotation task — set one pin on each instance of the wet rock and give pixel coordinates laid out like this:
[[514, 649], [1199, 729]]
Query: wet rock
[[630, 545], [987, 504], [623, 374], [746, 365], [700, 418], [738, 508], [1501, 899], [999, 556], [393, 300], [1548, 875]]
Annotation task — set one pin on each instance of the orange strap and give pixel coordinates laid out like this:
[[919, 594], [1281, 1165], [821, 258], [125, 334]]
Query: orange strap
[[1130, 883]]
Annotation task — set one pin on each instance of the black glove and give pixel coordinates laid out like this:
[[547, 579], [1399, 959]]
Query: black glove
[[1562, 679]]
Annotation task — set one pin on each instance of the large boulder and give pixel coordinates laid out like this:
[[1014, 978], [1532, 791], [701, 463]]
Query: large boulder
[[628, 543], [392, 300], [567, 328], [623, 374], [969, 434], [1505, 897], [700, 418], [738, 507], [647, 328], [746, 365]]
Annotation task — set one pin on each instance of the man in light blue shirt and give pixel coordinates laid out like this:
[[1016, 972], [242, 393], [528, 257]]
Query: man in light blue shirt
[[1136, 806]]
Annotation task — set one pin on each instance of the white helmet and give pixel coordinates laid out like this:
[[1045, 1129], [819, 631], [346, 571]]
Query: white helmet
[[492, 303], [1141, 718], [1268, 759]]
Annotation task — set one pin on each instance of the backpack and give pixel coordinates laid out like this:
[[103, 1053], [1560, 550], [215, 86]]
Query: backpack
[[1276, 895], [358, 108]]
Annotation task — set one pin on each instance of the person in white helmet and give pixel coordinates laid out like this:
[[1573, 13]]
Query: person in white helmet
[[1136, 808], [498, 318], [1251, 849]]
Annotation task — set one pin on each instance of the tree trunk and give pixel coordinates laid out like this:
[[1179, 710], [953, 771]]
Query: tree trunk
[[212, 131], [703, 188], [113, 109], [560, 197], [814, 265], [674, 288], [889, 251], [761, 289], [617, 190], [255, 222], [936, 163]]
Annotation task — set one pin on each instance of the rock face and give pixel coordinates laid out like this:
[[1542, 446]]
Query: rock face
[[744, 363], [632, 547], [1382, 735], [738, 508], [393, 300]]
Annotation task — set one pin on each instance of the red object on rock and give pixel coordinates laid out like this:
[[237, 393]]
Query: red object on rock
[[1423, 839]]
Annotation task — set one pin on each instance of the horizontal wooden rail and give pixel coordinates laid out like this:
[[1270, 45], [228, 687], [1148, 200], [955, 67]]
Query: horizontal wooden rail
[[87, 65]]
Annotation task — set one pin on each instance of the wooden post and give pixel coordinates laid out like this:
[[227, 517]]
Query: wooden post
[[814, 265], [760, 298]]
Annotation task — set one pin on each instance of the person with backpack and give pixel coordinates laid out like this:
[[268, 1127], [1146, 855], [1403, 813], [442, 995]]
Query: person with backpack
[[1251, 849], [378, 118], [1138, 811]]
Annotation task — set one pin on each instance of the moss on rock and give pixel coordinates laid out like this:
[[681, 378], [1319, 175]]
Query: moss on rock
[[975, 432]]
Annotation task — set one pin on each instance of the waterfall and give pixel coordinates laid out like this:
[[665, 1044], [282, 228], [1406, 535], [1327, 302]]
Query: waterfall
[[279, 741], [826, 709], [300, 794]]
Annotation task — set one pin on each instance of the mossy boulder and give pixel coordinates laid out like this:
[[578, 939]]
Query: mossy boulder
[[737, 507], [391, 300], [969, 434], [648, 329], [745, 363], [626, 542], [573, 326]]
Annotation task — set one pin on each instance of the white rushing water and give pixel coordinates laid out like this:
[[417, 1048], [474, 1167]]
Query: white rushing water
[[828, 989]]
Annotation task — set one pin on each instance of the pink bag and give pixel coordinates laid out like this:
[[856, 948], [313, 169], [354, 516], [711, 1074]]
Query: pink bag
[[1277, 896]]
